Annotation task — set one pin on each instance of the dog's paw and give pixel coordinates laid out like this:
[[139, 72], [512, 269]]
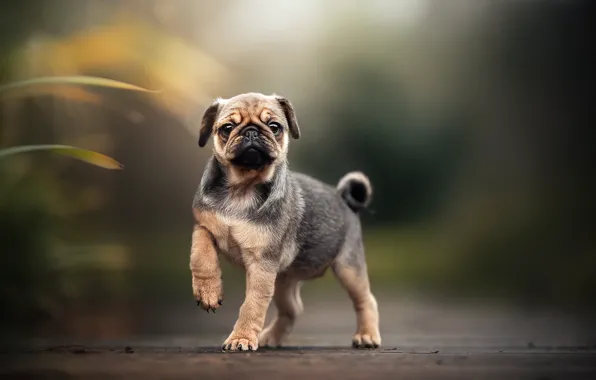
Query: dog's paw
[[208, 292], [366, 339], [272, 336], [241, 342]]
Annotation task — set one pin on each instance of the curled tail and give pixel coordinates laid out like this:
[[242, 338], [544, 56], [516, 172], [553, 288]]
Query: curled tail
[[356, 190]]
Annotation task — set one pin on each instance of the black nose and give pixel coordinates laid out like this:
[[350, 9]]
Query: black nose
[[251, 133]]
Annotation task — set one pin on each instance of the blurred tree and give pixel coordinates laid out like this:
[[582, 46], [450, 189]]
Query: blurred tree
[[529, 188], [370, 126], [24, 211]]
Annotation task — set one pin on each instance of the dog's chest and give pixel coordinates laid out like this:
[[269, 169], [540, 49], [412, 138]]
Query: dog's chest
[[240, 241]]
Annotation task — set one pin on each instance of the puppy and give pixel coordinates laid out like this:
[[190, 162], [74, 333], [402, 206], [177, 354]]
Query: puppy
[[282, 227]]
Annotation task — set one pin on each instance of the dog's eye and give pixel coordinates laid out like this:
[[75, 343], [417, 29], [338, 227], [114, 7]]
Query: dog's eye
[[226, 129], [275, 128]]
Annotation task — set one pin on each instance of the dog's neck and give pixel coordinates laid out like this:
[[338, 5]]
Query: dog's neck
[[221, 186]]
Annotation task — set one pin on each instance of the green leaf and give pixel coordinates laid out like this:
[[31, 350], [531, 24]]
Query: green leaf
[[74, 80], [88, 156]]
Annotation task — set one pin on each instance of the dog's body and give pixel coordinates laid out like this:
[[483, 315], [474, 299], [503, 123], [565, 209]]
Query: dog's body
[[282, 227]]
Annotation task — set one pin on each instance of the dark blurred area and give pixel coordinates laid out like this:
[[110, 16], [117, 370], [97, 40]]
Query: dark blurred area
[[473, 119]]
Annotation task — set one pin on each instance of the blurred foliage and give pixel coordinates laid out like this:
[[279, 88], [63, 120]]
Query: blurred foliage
[[130, 48], [30, 85], [84, 155], [26, 242], [71, 80]]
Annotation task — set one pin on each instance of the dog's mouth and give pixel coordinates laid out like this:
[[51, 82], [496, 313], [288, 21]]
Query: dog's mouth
[[252, 157]]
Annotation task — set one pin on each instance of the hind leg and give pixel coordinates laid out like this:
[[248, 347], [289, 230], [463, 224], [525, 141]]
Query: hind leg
[[289, 305], [350, 270]]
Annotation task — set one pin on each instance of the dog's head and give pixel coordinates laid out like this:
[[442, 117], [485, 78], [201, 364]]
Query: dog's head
[[250, 131]]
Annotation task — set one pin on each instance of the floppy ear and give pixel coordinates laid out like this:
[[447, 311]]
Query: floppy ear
[[207, 123], [290, 115]]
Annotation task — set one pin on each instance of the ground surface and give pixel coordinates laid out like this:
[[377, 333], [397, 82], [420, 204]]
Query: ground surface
[[420, 340], [171, 362]]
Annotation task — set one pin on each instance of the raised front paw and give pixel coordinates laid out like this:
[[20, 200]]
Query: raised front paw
[[366, 339], [239, 341], [208, 292]]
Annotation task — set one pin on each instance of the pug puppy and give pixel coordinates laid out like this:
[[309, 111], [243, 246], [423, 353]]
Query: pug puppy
[[282, 227]]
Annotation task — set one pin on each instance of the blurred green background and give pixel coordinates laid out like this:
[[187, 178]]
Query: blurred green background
[[471, 117]]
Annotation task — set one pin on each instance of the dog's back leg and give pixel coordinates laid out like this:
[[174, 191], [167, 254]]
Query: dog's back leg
[[288, 302], [350, 269]]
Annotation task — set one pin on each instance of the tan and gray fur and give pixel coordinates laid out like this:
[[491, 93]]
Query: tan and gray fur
[[282, 227]]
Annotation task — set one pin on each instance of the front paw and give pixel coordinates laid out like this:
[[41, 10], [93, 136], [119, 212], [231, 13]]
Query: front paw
[[241, 342], [366, 339], [208, 292]]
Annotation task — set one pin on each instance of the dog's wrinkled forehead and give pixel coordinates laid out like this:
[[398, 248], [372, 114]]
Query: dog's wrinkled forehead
[[251, 106]]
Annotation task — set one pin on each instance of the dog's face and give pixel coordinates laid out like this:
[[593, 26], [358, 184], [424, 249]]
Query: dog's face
[[250, 131]]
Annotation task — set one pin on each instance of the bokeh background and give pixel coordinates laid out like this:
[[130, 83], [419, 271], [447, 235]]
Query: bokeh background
[[473, 119]]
